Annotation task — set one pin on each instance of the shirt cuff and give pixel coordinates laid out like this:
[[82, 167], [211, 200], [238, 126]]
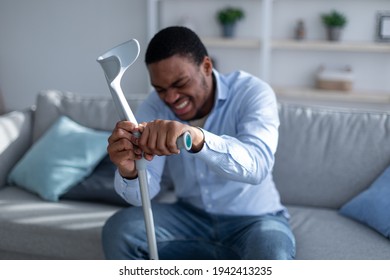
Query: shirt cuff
[[123, 186], [213, 142]]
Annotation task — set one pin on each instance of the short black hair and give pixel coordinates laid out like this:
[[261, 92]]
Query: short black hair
[[175, 40]]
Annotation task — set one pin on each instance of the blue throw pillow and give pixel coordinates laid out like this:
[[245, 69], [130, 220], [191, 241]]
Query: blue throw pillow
[[372, 206], [98, 187], [61, 158]]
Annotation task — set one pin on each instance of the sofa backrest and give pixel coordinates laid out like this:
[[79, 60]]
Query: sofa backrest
[[327, 155], [94, 112]]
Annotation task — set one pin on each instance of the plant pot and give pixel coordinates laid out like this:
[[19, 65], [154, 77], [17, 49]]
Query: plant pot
[[334, 33], [228, 30]]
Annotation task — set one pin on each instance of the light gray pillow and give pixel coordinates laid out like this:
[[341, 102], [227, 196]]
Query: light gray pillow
[[15, 131]]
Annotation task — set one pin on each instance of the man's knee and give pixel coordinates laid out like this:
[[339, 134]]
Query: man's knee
[[271, 239], [122, 233], [281, 248]]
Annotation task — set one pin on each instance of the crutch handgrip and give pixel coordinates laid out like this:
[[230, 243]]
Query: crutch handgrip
[[184, 141]]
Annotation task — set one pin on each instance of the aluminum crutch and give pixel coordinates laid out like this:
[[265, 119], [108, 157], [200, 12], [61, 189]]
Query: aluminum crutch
[[114, 63]]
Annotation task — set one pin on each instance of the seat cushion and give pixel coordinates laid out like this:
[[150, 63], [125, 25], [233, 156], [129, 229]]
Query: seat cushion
[[50, 230], [323, 234]]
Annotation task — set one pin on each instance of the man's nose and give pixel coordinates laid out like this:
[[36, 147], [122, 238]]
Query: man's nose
[[171, 96]]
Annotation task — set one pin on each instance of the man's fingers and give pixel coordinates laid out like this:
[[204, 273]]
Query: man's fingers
[[158, 137], [121, 130], [126, 125], [124, 145], [148, 157]]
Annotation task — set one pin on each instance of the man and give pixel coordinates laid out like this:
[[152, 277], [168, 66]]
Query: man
[[228, 206]]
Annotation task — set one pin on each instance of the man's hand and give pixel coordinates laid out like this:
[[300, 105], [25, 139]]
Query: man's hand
[[159, 137], [122, 151]]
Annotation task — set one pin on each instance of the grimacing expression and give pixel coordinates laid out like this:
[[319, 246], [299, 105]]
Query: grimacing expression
[[184, 86]]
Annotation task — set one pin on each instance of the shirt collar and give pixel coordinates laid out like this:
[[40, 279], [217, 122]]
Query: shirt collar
[[221, 89]]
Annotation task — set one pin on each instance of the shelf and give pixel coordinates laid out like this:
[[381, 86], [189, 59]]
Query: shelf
[[332, 46], [231, 43], [318, 94]]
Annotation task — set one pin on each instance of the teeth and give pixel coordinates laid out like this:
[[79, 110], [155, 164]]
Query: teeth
[[182, 105]]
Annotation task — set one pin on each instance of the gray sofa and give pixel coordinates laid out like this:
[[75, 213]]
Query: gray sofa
[[326, 156]]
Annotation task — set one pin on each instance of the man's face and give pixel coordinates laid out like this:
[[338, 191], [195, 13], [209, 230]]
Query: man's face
[[185, 87]]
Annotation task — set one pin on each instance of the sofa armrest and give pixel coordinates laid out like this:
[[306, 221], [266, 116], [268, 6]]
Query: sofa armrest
[[16, 138]]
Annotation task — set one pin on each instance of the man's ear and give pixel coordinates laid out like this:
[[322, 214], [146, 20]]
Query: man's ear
[[207, 65]]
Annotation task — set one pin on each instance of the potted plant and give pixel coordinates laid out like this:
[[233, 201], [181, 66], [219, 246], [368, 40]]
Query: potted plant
[[228, 17], [334, 21]]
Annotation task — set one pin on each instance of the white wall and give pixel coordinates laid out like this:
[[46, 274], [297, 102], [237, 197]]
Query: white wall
[[47, 44], [53, 44]]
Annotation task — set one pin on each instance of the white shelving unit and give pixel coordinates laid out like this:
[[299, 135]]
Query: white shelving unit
[[357, 49], [265, 46], [356, 96], [220, 42], [331, 46]]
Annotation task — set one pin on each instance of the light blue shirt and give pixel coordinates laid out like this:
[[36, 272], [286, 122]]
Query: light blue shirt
[[232, 174]]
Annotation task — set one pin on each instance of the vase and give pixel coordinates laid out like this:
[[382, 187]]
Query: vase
[[228, 30], [334, 33]]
